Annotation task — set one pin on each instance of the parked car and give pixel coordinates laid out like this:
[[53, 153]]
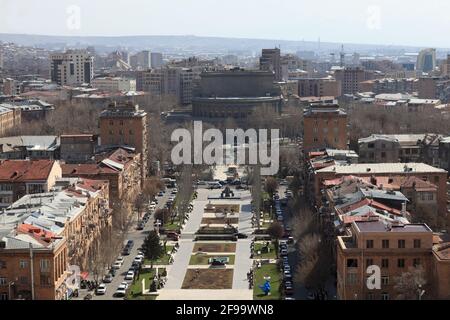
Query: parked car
[[140, 226], [242, 236], [130, 244], [126, 251], [121, 290], [101, 289], [108, 278], [172, 236], [160, 194], [129, 275]]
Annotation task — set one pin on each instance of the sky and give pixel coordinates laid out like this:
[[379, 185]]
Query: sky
[[402, 22]]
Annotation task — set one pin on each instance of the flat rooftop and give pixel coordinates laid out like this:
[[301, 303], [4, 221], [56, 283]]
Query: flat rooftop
[[379, 226], [388, 168]]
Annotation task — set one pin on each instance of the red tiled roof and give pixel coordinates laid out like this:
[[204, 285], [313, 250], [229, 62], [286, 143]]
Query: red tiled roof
[[91, 185], [85, 169], [25, 170], [372, 203]]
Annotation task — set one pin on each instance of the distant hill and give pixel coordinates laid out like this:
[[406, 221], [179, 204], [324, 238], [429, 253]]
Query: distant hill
[[198, 44]]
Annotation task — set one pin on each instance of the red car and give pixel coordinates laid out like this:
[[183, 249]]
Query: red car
[[172, 236]]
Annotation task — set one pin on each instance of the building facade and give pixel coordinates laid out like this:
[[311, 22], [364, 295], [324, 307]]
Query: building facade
[[74, 67], [325, 126]]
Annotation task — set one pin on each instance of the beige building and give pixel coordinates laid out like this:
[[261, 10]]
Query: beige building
[[321, 87], [114, 84], [394, 248]]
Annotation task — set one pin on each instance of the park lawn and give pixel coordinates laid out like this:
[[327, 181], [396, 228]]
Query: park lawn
[[175, 226], [135, 289], [202, 259], [214, 247], [164, 260], [208, 279], [271, 255], [274, 273]]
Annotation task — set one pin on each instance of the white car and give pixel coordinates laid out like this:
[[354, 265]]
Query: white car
[[101, 289], [130, 275], [116, 265], [153, 204], [138, 259], [120, 259]]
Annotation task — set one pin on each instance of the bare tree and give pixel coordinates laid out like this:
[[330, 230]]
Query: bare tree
[[409, 285]]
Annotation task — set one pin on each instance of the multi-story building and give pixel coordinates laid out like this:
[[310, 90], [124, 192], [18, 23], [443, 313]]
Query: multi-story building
[[174, 81], [125, 125], [11, 87], [33, 262], [394, 248], [121, 167], [379, 148], [78, 148], [426, 60], [319, 87], [156, 60], [270, 60], [325, 126], [74, 67], [434, 88], [235, 94], [10, 118], [350, 78], [31, 147], [390, 85], [114, 84], [21, 177], [422, 171], [399, 148]]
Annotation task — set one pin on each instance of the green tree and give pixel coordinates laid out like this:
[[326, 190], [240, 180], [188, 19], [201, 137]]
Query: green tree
[[152, 247]]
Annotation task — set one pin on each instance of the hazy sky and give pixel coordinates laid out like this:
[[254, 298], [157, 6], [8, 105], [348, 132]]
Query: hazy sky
[[408, 22]]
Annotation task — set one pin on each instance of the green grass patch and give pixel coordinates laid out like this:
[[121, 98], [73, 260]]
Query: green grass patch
[[135, 288], [272, 271], [164, 260], [270, 255], [202, 259]]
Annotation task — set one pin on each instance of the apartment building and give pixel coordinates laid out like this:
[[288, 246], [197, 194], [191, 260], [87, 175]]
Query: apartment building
[[125, 124], [22, 177], [33, 263], [319, 87], [325, 126], [270, 60], [121, 167], [350, 78], [78, 148], [394, 248], [114, 84], [10, 118], [73, 67]]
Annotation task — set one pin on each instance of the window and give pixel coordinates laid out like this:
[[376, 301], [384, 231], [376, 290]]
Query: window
[[401, 263], [23, 280], [3, 296], [385, 244], [417, 243], [371, 145], [44, 279], [23, 264], [401, 244], [383, 154], [352, 278], [369, 262], [352, 263], [416, 262], [385, 280], [2, 264], [111, 122], [385, 296], [2, 281], [370, 296], [121, 122], [369, 244], [45, 265], [385, 263], [131, 133]]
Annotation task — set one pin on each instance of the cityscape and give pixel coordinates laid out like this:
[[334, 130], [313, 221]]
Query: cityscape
[[216, 167]]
